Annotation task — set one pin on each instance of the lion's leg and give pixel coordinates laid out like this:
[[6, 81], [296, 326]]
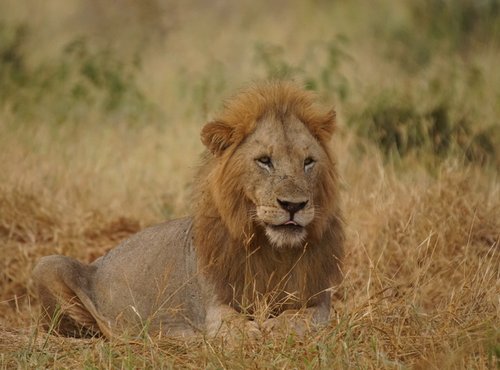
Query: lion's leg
[[222, 320], [299, 322], [63, 285]]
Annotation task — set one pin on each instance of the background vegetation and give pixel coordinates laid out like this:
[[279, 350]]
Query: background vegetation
[[101, 104]]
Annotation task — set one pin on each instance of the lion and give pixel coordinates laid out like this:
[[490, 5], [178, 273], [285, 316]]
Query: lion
[[263, 248]]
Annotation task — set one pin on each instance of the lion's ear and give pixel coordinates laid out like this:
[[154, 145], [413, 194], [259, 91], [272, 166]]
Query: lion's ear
[[217, 136], [327, 125]]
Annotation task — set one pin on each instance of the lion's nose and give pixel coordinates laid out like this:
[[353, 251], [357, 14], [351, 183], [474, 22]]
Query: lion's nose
[[291, 207]]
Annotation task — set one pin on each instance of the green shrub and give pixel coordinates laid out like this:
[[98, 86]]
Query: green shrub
[[13, 72], [460, 22], [273, 59], [78, 80], [398, 127], [320, 69], [439, 27]]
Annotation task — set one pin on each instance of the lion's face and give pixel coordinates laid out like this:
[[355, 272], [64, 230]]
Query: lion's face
[[269, 171], [281, 161]]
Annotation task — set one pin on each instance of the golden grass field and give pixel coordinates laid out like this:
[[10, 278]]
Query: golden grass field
[[102, 139]]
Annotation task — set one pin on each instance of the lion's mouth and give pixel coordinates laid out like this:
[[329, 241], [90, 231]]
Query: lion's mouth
[[289, 234], [289, 226]]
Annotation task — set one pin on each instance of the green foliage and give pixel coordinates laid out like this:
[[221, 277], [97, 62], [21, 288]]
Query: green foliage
[[320, 68], [273, 59], [102, 73], [12, 64], [78, 81], [440, 26], [493, 344], [398, 127], [459, 23]]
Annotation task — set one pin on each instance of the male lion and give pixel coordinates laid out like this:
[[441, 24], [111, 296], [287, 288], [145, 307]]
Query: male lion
[[266, 236]]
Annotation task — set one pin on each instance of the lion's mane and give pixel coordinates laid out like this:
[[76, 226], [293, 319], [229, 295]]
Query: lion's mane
[[224, 233]]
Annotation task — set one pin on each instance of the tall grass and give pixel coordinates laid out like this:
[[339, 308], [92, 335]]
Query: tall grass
[[99, 136]]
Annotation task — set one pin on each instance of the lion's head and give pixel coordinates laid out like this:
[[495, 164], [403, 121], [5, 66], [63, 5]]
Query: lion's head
[[271, 167]]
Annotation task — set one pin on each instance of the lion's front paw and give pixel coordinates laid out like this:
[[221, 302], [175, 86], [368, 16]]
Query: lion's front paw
[[252, 330], [286, 324], [224, 322], [235, 331], [235, 334]]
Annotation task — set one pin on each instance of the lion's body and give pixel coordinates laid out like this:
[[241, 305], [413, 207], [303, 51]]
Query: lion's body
[[160, 287], [266, 236], [139, 284]]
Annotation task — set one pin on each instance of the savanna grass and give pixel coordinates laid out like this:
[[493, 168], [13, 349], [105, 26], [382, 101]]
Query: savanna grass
[[417, 91]]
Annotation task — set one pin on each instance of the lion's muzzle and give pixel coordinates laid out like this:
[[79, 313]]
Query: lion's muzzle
[[285, 223]]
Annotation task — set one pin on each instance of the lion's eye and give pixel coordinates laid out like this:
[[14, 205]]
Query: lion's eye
[[264, 162], [308, 163]]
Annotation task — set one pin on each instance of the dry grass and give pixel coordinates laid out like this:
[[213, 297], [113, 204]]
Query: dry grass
[[422, 273], [422, 278]]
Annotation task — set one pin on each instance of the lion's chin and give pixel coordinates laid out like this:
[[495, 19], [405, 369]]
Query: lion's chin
[[286, 235]]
